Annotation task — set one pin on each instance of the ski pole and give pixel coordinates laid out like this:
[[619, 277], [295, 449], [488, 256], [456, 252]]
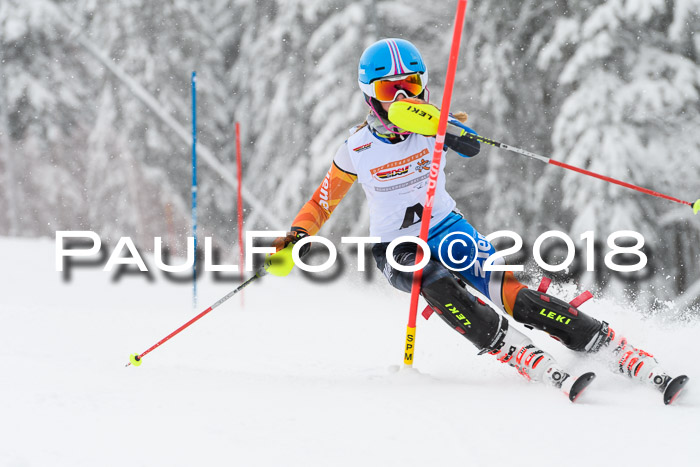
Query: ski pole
[[278, 264], [135, 359], [547, 160], [421, 118]]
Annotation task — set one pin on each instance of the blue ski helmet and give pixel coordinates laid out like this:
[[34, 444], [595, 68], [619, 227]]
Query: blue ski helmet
[[387, 58]]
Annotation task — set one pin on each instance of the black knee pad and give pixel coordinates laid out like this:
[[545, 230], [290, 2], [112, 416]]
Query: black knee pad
[[572, 327], [475, 320]]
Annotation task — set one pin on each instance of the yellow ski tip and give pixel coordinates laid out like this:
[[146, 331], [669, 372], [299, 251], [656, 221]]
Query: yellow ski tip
[[696, 207], [281, 263], [415, 115], [134, 359]]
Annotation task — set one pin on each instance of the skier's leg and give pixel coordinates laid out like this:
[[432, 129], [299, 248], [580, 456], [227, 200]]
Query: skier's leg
[[456, 242], [487, 329], [490, 332], [477, 322], [581, 332], [574, 328]]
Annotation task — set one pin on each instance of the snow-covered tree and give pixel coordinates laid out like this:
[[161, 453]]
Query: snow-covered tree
[[42, 133], [629, 84], [95, 112]]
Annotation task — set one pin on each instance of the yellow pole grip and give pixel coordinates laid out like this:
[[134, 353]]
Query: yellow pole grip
[[410, 346]]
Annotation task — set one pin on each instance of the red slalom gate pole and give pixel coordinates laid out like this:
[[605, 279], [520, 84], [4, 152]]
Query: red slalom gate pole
[[432, 183], [239, 203]]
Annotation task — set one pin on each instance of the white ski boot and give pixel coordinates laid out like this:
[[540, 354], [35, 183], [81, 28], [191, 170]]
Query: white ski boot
[[637, 364], [517, 350]]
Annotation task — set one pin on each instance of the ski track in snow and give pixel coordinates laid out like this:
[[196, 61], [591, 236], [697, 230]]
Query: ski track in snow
[[301, 374]]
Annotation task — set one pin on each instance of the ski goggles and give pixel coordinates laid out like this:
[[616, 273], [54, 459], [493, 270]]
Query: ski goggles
[[386, 90]]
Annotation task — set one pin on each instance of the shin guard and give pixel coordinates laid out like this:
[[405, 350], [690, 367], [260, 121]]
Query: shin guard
[[468, 315], [575, 329]]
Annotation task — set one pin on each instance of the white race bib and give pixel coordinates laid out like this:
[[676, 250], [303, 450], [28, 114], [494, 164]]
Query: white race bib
[[395, 180]]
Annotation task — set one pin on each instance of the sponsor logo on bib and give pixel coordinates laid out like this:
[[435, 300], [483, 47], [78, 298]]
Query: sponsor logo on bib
[[393, 173], [363, 147], [400, 168]]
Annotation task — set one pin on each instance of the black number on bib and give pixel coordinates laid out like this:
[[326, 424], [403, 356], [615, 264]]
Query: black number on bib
[[413, 215]]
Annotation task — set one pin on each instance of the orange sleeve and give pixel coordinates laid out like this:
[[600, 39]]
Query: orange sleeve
[[319, 208]]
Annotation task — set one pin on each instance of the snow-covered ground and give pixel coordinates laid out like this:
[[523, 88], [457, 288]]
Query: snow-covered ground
[[301, 375]]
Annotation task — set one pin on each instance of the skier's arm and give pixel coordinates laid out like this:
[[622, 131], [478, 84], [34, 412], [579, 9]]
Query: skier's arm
[[325, 199]]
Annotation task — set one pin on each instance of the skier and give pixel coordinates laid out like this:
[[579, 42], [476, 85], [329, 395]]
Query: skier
[[392, 166]]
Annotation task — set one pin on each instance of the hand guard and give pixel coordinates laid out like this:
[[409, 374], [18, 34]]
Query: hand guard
[[417, 116]]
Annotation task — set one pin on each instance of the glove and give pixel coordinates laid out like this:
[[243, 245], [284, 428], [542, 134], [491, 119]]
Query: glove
[[456, 139], [292, 237]]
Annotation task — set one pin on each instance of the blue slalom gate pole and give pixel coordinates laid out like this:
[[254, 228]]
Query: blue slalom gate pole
[[194, 186]]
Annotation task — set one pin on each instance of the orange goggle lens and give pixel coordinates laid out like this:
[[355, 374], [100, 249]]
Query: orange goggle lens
[[386, 90]]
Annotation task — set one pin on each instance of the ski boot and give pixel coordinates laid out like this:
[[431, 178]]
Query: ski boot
[[637, 364], [517, 350]]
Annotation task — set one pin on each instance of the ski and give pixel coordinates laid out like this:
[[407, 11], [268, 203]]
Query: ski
[[674, 389], [580, 385]]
